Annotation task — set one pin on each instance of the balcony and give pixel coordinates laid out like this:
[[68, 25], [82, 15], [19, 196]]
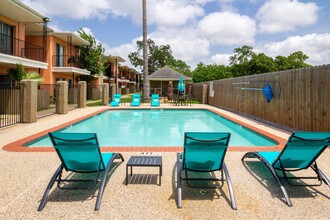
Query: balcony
[[68, 64], [15, 51]]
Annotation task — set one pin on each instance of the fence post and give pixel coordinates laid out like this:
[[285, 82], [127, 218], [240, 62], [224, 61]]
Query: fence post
[[30, 101], [113, 90], [190, 86], [204, 94], [82, 94], [105, 94], [62, 97]]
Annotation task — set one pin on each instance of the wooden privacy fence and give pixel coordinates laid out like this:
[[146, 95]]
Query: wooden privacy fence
[[301, 97]]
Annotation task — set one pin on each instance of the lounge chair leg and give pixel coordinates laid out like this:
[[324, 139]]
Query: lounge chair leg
[[285, 193], [273, 172], [320, 174], [230, 187], [179, 198], [49, 187], [104, 179], [120, 156]]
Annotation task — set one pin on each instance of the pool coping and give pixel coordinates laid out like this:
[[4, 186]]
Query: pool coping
[[18, 146]]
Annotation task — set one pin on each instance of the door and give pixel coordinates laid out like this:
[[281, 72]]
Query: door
[[6, 39], [59, 55]]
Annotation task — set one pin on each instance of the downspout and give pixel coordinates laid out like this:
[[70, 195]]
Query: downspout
[[44, 37]]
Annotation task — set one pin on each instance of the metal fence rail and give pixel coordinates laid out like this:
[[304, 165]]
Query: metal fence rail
[[11, 103], [46, 100], [94, 92], [16, 47]]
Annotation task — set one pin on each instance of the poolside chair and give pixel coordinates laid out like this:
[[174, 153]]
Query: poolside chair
[[80, 153], [300, 152], [116, 100], [136, 100], [155, 100], [204, 152]]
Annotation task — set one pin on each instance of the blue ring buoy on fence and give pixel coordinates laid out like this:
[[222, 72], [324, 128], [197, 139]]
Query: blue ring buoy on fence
[[268, 92]]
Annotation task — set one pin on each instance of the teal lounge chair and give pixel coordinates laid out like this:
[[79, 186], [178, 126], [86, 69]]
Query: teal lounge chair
[[136, 100], [80, 153], [116, 100], [204, 152], [155, 100], [300, 152]]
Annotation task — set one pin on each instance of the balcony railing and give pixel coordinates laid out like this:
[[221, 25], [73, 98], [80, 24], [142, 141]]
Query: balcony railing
[[16, 47], [66, 61]]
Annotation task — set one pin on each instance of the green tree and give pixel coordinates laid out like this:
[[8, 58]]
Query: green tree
[[246, 62], [158, 57], [203, 73], [297, 60], [92, 56], [260, 63], [282, 63], [293, 61], [241, 55], [17, 74], [240, 60], [180, 66]]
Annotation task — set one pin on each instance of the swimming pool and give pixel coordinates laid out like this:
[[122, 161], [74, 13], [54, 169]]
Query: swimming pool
[[158, 127]]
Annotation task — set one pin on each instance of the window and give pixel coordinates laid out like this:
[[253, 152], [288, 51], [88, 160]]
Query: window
[[108, 71], [59, 55], [6, 38], [60, 79]]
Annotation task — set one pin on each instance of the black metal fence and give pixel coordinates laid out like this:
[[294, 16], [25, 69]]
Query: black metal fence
[[11, 103], [66, 61], [73, 93], [94, 92], [46, 100], [16, 47]]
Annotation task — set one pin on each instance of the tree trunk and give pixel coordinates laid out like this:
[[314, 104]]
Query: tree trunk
[[146, 90]]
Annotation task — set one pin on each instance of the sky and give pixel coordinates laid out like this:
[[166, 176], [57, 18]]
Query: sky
[[204, 31]]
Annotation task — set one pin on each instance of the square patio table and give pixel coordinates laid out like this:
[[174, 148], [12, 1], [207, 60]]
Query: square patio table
[[144, 161]]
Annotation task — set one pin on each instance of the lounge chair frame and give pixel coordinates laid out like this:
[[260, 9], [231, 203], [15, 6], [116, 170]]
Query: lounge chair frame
[[113, 103], [57, 177], [136, 100], [225, 177], [273, 170], [152, 102]]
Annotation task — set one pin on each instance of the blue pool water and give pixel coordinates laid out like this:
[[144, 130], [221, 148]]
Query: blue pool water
[[158, 128]]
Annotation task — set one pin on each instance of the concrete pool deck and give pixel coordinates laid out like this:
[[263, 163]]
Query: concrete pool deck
[[25, 175]]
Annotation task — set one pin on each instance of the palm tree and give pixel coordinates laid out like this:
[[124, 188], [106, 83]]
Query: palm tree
[[145, 92]]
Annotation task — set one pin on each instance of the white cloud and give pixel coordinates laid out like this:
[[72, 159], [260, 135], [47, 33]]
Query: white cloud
[[316, 46], [185, 43], [159, 12], [175, 13], [228, 28], [123, 51], [221, 59], [227, 5], [78, 9], [277, 16], [87, 31]]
